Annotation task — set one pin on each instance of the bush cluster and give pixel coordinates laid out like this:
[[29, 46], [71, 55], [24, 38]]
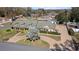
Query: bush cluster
[[71, 32], [56, 33]]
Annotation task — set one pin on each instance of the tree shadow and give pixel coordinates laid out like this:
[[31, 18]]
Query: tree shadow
[[68, 45]]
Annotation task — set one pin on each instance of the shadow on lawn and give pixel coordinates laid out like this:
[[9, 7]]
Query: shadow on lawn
[[69, 45]]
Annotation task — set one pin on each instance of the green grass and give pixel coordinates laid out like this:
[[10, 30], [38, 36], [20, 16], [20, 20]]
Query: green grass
[[23, 32], [37, 43], [77, 35], [6, 34], [53, 33], [56, 37]]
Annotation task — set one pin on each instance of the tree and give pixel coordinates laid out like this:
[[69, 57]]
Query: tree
[[28, 11], [41, 12], [74, 14], [63, 17], [11, 11]]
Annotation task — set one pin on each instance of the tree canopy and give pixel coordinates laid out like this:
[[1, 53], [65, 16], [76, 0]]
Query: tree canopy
[[63, 16], [71, 15], [11, 11], [74, 14]]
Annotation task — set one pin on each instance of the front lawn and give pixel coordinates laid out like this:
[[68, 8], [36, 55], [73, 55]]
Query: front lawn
[[23, 32], [6, 34], [57, 38], [53, 36], [77, 35], [37, 43]]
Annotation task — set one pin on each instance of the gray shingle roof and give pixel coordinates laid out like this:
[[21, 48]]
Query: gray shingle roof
[[39, 23]]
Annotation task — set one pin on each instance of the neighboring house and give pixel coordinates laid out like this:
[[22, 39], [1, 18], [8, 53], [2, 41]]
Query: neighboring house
[[74, 26], [77, 25], [71, 24], [4, 20], [75, 29], [20, 16]]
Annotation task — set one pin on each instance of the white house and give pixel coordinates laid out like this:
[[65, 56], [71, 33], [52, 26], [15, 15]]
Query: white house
[[75, 29]]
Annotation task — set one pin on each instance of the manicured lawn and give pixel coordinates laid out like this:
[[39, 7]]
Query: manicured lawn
[[23, 32], [56, 37], [77, 35], [37, 43], [6, 34]]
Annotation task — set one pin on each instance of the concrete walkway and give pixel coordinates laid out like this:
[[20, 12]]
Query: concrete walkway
[[64, 33]]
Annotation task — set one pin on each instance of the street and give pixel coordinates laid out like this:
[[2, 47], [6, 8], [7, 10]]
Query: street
[[17, 47]]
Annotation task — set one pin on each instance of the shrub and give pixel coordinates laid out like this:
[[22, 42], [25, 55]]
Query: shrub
[[43, 32], [6, 39], [56, 33], [77, 35], [71, 32], [8, 30]]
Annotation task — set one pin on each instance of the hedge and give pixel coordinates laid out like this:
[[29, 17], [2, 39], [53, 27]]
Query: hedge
[[56, 33]]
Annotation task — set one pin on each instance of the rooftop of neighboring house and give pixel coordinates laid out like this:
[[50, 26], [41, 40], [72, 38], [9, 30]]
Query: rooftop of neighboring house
[[73, 24], [3, 18], [48, 16]]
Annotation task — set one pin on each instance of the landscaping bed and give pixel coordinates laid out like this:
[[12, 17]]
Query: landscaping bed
[[55, 33]]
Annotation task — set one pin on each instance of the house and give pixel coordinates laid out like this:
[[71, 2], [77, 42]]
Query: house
[[74, 26], [40, 24], [75, 29], [4, 20]]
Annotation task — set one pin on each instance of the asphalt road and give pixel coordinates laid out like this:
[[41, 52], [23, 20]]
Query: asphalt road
[[17, 47]]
